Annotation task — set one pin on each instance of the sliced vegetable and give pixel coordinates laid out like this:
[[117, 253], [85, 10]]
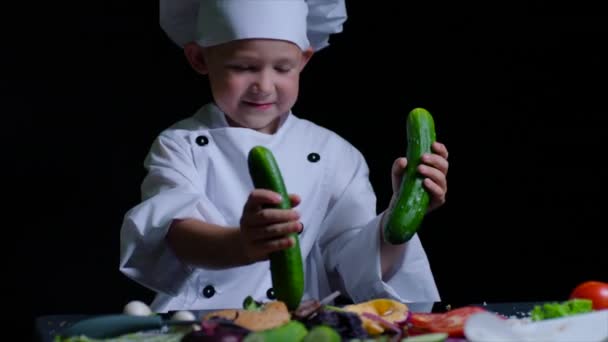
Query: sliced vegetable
[[347, 324], [272, 314], [433, 337], [386, 326], [306, 309], [217, 330], [451, 322], [391, 311]]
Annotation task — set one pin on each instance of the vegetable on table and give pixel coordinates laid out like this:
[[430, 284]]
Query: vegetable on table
[[137, 308], [557, 310], [432, 337], [251, 304], [347, 324], [322, 333], [271, 315], [596, 291], [451, 322], [291, 331], [381, 314]]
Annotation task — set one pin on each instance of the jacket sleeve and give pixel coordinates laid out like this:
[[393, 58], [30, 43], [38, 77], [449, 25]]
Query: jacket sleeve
[[351, 244], [171, 190]]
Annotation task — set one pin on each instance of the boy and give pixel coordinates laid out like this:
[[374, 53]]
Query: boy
[[201, 238]]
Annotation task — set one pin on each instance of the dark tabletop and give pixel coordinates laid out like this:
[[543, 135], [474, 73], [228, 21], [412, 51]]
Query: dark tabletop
[[46, 327]]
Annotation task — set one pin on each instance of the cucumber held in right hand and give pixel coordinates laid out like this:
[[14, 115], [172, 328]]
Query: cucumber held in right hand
[[413, 199]]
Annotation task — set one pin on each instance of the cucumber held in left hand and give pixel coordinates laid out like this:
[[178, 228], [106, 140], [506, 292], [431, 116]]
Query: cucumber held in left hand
[[286, 265]]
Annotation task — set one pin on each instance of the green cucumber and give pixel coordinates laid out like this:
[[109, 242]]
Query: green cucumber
[[413, 199], [286, 266], [432, 337], [291, 331]]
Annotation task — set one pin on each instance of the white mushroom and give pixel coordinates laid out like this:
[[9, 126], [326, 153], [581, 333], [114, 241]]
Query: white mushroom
[[137, 308], [186, 316], [183, 316]]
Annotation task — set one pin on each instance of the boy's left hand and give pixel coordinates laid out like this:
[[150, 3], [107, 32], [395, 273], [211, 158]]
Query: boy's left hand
[[434, 166]]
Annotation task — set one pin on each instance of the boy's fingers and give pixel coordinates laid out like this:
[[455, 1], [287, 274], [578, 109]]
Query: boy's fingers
[[276, 245], [433, 174], [259, 197], [280, 229], [440, 149], [268, 216], [295, 199], [397, 171], [437, 192], [399, 165], [435, 189], [436, 161]]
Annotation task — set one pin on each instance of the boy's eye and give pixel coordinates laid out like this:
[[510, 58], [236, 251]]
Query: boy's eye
[[283, 68], [241, 67]]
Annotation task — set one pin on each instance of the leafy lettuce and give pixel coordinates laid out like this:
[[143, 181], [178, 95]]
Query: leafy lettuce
[[556, 310]]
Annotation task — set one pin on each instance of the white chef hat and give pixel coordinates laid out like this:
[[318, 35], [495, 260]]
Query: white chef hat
[[209, 22]]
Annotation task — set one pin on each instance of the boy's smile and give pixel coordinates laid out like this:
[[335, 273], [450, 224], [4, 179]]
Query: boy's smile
[[260, 106]]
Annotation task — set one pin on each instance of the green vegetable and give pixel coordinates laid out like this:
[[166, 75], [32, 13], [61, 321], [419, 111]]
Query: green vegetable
[[413, 199], [333, 308], [291, 331], [286, 265], [250, 304], [322, 333], [556, 310], [433, 337]]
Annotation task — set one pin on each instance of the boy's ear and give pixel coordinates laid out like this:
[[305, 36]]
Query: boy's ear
[[306, 55], [194, 54]]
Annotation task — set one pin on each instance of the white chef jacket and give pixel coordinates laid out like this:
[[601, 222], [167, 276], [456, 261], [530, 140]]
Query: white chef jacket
[[198, 169]]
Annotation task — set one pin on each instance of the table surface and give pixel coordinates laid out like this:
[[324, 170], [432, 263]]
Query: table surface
[[46, 327]]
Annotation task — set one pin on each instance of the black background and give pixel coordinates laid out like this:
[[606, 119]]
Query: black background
[[518, 99]]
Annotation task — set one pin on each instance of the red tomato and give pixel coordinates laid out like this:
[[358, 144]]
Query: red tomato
[[596, 291], [422, 320], [451, 322]]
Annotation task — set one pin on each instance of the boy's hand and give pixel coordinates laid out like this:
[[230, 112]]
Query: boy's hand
[[434, 166], [264, 230]]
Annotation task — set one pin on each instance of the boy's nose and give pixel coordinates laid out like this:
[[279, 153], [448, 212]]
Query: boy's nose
[[262, 85]]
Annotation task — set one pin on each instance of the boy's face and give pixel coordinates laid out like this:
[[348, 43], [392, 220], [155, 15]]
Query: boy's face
[[254, 81]]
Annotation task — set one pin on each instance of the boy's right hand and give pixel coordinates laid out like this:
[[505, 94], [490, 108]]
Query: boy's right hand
[[263, 229]]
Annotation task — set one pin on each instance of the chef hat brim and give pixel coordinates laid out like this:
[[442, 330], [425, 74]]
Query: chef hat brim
[[178, 18]]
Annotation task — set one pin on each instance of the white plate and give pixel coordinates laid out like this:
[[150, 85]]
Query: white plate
[[488, 327]]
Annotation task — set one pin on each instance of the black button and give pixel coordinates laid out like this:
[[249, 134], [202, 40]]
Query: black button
[[314, 157], [270, 294], [208, 291], [202, 140]]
